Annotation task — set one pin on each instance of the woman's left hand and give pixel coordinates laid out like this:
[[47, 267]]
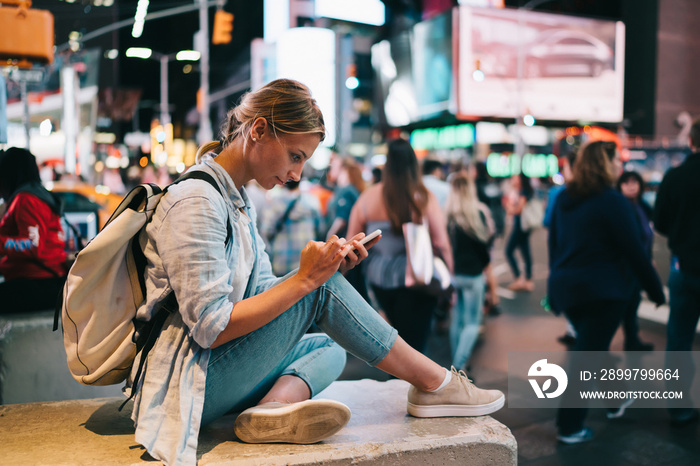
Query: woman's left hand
[[358, 252]]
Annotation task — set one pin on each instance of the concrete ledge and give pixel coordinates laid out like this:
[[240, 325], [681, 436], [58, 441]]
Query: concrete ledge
[[380, 432], [33, 363]]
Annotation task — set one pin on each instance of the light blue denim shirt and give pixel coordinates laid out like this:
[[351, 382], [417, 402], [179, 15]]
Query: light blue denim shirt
[[185, 247]]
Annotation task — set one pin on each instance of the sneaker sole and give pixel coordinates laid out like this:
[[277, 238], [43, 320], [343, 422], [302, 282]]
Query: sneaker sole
[[455, 410], [305, 422]]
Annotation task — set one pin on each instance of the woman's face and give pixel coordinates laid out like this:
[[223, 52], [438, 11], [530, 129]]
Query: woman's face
[[343, 178], [617, 165], [630, 189], [283, 158]]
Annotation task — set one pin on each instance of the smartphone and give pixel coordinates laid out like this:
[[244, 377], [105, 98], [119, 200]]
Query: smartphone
[[371, 236], [368, 238]]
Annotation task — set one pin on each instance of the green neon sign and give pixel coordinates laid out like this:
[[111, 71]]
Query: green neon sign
[[500, 165], [447, 137]]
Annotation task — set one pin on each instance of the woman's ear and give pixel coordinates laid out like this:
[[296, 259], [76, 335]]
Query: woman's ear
[[259, 128]]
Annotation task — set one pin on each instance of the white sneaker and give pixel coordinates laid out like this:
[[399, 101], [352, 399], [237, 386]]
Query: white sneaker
[[583, 435], [304, 422], [459, 398]]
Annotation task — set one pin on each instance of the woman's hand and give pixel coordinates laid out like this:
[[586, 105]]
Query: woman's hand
[[319, 260], [357, 252]]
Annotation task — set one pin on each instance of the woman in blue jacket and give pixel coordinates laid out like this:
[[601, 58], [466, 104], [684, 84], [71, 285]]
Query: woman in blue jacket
[[595, 258]]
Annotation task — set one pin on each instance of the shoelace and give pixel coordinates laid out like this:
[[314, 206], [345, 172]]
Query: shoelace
[[463, 379]]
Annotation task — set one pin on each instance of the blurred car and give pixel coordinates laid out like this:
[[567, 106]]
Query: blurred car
[[559, 52], [86, 206], [567, 53]]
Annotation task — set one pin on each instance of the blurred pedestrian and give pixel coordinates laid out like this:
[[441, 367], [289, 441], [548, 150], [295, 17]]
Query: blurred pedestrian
[[519, 194], [595, 253], [677, 216], [291, 219], [434, 180], [631, 185], [401, 197], [566, 163], [471, 231], [349, 184], [376, 175], [32, 240], [490, 194]]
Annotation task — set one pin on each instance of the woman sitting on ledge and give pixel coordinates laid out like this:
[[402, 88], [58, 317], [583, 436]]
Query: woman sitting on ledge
[[238, 341]]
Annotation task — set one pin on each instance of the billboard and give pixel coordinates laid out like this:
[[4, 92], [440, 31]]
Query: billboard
[[514, 62], [415, 72]]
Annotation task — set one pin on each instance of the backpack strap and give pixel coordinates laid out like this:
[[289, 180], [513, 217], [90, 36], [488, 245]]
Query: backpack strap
[[152, 330]]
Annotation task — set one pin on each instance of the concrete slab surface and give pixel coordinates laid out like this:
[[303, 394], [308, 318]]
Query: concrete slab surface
[[380, 432]]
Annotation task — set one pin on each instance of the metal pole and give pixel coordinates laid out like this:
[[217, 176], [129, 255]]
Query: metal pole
[[70, 119], [205, 132], [25, 102], [164, 115]]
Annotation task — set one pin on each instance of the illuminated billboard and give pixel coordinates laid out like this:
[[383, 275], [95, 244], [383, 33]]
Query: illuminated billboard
[[515, 62], [415, 73]]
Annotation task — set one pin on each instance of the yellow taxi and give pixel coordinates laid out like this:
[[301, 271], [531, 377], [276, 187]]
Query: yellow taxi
[[84, 204]]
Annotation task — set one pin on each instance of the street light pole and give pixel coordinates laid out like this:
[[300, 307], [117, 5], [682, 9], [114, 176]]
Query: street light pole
[[164, 59], [205, 132], [164, 114]]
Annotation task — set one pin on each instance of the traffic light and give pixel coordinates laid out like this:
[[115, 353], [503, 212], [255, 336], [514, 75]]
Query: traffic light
[[26, 35], [223, 25]]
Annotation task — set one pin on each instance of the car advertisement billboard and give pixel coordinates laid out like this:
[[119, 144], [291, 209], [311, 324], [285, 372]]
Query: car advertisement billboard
[[514, 62]]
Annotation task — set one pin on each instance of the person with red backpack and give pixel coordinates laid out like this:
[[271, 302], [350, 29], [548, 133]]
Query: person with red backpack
[[32, 240]]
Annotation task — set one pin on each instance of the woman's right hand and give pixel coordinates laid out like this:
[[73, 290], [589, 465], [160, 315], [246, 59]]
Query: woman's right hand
[[319, 260]]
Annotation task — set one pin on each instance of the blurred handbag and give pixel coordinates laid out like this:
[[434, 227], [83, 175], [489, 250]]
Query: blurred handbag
[[532, 215], [423, 269]]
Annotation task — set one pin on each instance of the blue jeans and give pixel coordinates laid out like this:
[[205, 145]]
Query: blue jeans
[[466, 317], [243, 370], [684, 303]]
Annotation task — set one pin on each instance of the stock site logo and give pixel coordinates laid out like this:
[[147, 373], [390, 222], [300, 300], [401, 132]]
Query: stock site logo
[[543, 369]]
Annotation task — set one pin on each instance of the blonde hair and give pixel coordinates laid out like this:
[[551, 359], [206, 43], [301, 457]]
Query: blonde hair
[[463, 207], [287, 106]]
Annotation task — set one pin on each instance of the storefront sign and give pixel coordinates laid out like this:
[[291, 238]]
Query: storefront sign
[[501, 165], [447, 137]]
